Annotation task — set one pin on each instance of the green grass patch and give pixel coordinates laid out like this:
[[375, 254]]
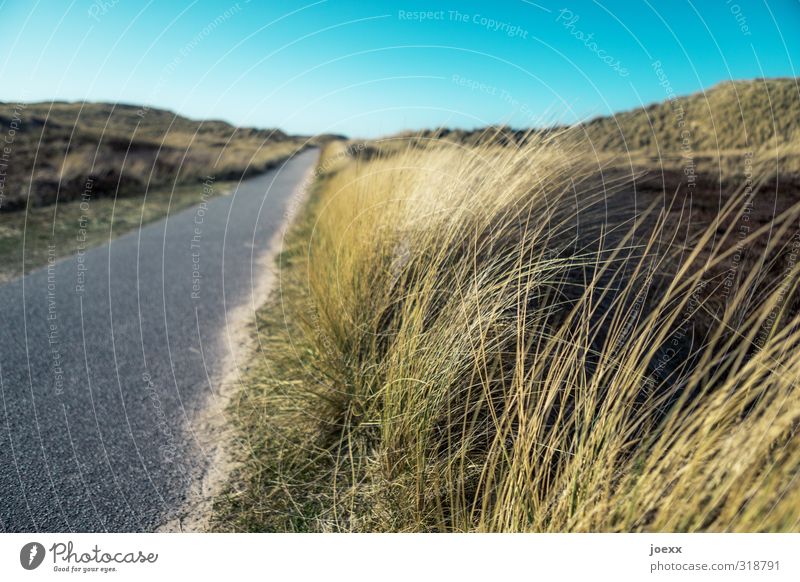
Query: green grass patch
[[71, 226]]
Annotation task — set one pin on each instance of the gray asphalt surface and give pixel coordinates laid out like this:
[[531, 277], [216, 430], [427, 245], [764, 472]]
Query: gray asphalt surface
[[99, 383]]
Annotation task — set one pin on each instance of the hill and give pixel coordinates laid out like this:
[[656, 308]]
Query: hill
[[61, 150], [731, 116]]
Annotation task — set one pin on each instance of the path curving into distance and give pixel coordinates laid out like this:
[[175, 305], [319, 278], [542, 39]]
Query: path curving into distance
[[104, 360]]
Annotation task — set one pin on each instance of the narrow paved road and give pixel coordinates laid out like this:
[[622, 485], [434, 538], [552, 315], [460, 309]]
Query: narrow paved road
[[105, 360]]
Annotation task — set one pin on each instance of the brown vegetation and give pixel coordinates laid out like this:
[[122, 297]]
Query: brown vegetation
[[61, 150]]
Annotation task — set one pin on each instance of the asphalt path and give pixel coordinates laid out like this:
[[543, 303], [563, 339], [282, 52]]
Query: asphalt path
[[107, 357]]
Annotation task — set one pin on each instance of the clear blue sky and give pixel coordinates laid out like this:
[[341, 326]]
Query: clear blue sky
[[369, 68]]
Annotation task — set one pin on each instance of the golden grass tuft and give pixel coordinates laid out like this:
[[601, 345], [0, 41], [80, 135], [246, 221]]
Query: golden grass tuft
[[491, 338]]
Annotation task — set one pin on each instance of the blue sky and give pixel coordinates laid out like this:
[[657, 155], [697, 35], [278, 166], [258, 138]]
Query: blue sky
[[371, 68]]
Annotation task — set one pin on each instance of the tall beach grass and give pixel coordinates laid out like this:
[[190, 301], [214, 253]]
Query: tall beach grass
[[485, 338]]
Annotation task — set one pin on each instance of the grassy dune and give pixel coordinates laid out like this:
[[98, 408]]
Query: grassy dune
[[122, 150], [733, 115], [487, 338], [73, 175], [717, 131]]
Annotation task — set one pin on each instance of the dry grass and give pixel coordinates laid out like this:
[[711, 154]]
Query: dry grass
[[490, 338]]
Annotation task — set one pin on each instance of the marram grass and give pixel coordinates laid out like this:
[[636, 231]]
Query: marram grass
[[491, 339]]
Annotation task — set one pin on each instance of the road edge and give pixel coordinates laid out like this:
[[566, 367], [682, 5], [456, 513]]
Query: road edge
[[211, 428]]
